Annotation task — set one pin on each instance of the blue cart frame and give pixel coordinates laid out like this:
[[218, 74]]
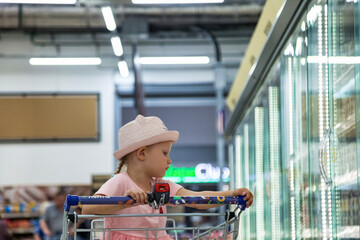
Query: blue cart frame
[[230, 226]]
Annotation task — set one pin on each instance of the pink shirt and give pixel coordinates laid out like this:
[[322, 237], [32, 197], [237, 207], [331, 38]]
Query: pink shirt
[[118, 185]]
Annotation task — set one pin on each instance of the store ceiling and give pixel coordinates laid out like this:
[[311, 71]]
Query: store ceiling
[[86, 16], [174, 29]]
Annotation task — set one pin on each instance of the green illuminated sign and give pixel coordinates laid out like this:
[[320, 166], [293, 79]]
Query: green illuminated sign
[[202, 173]]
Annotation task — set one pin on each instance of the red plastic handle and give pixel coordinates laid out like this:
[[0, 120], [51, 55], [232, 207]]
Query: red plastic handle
[[162, 187]]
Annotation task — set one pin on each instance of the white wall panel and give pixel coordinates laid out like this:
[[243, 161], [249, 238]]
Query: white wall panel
[[57, 163]]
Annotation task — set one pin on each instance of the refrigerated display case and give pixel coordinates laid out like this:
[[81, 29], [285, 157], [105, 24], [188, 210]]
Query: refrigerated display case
[[333, 61], [297, 145], [343, 89], [257, 156]]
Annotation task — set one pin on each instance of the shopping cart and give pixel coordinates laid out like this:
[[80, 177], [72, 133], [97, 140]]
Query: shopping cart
[[228, 229]]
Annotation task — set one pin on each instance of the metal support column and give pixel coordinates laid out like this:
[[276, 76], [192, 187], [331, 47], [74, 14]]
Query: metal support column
[[220, 80], [118, 123], [220, 75]]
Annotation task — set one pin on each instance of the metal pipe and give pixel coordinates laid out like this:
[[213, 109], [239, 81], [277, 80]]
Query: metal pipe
[[35, 16], [81, 12]]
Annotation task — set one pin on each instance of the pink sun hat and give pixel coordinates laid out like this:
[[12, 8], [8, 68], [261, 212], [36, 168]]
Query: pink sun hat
[[143, 131]]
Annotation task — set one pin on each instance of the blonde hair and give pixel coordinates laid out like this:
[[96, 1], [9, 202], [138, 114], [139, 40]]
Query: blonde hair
[[122, 162]]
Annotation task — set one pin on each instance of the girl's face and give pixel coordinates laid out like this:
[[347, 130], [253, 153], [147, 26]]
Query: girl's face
[[158, 159]]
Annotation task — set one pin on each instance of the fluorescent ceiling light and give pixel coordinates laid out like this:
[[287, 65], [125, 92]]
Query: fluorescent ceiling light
[[65, 61], [39, 1], [174, 60], [123, 68], [334, 59], [109, 18], [117, 46], [175, 1]]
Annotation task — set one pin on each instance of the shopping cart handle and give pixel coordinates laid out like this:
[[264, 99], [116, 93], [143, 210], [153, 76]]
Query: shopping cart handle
[[239, 200], [73, 200]]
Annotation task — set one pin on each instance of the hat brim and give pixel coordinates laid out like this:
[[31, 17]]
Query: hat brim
[[172, 136]]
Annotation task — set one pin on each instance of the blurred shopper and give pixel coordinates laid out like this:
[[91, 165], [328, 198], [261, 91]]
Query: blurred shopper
[[4, 231], [38, 233], [51, 220]]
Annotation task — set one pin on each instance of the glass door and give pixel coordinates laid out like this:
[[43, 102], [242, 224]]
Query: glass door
[[249, 158], [257, 156], [243, 154], [273, 180], [321, 195], [342, 168], [321, 200], [332, 76], [262, 166], [294, 119], [249, 174]]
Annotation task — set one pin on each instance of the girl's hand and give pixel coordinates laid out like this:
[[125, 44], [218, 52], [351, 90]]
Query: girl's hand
[[245, 192], [139, 196]]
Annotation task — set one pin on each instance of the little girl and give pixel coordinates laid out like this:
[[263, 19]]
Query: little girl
[[144, 147]]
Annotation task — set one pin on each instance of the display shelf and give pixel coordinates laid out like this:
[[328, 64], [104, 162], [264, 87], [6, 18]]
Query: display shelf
[[349, 232], [19, 215], [347, 127], [22, 231], [343, 81], [347, 181], [306, 233], [20, 224]]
